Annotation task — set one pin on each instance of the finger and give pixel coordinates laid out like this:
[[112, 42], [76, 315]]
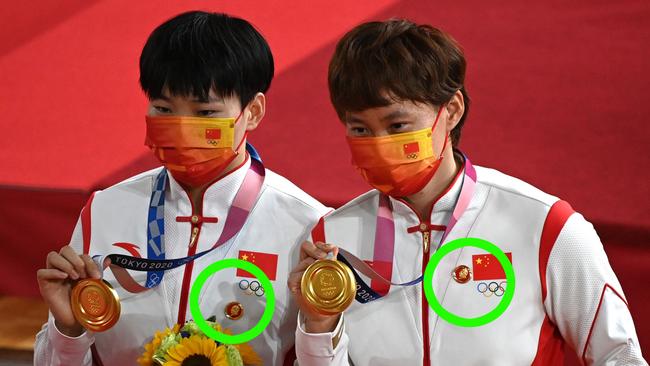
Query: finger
[[303, 253], [68, 253], [335, 251], [328, 248], [293, 282], [313, 251], [91, 267], [56, 261], [47, 274], [303, 264]]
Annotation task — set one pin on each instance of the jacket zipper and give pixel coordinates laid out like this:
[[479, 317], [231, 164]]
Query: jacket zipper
[[196, 229], [425, 229], [426, 243], [187, 274]]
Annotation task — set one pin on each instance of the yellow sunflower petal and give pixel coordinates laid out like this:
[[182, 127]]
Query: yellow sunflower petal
[[195, 345], [219, 357], [178, 352], [208, 347]]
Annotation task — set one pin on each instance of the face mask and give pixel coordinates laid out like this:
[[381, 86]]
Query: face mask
[[398, 165], [195, 150]]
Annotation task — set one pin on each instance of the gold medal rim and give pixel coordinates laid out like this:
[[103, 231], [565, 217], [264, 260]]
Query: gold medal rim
[[339, 303], [103, 321]]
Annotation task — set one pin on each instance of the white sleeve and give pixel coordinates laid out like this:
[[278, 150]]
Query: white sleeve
[[316, 349], [585, 300], [52, 348]]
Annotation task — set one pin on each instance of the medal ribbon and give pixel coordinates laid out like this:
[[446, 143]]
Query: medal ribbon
[[384, 248], [156, 264]]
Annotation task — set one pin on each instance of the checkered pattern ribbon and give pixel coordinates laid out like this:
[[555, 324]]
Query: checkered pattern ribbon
[[156, 227]]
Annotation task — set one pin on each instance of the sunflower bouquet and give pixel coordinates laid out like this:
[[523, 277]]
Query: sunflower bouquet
[[189, 346]]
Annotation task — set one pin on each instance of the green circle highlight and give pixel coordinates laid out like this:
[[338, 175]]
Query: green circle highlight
[[459, 320], [261, 324]]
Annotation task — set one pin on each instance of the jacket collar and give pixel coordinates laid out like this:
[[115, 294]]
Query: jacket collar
[[218, 197]]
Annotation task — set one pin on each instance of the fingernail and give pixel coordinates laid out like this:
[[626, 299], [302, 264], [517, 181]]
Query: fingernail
[[74, 276]]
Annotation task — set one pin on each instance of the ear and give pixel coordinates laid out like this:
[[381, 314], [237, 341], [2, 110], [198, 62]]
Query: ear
[[255, 110], [455, 109]]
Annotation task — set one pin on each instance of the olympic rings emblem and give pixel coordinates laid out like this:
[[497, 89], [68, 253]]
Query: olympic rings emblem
[[252, 287], [492, 288]]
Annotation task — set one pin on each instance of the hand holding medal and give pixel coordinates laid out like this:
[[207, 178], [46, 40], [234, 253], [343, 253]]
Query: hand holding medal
[[328, 286], [63, 269], [318, 259]]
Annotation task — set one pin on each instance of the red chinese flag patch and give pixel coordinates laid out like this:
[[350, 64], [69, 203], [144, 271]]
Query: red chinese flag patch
[[384, 269], [213, 133], [487, 267], [268, 263], [411, 147]]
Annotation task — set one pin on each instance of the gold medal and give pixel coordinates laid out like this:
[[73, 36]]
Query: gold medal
[[95, 304], [328, 286]]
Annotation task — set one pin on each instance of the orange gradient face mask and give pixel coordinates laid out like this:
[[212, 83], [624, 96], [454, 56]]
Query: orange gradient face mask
[[195, 150], [397, 165]]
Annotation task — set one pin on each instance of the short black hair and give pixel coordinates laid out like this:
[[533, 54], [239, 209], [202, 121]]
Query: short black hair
[[197, 51]]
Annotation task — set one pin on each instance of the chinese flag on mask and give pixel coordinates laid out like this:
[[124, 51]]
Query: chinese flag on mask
[[213, 133], [268, 263], [487, 267], [412, 147]]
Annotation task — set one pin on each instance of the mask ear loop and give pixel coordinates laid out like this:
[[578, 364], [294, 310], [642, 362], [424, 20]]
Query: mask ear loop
[[243, 137], [444, 145]]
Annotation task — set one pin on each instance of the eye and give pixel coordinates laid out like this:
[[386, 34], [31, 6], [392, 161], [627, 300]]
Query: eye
[[356, 131], [206, 113], [162, 110], [398, 127]]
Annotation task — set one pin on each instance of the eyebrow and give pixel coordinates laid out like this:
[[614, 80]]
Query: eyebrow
[[209, 100], [391, 116], [394, 115], [353, 119]]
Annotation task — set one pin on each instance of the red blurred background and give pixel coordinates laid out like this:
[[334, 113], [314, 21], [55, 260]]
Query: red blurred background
[[560, 99]]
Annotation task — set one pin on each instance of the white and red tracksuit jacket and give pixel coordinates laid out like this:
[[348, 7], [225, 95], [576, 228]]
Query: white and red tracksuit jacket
[[566, 291], [278, 223]]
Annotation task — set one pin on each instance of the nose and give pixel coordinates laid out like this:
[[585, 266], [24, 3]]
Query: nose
[[380, 133]]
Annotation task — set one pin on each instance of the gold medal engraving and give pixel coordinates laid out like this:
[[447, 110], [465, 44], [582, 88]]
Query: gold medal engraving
[[328, 286], [95, 304]]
